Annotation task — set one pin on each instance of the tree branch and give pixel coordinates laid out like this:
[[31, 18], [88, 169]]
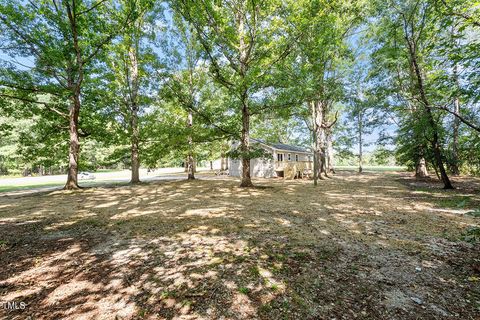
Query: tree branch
[[462, 119], [45, 104]]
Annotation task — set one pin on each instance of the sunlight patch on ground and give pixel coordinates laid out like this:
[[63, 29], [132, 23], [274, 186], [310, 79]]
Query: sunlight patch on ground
[[207, 249]]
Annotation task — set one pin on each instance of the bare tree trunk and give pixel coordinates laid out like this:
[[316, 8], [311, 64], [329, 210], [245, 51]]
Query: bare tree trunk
[[360, 141], [323, 139], [330, 157], [135, 159], [190, 168], [135, 134], [245, 139], [437, 151], [314, 145], [226, 162], [421, 168], [74, 147], [317, 134], [222, 162], [433, 125], [74, 112], [456, 125], [190, 159]]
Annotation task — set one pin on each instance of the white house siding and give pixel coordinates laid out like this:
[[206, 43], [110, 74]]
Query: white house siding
[[301, 156], [264, 168], [258, 168], [234, 167]]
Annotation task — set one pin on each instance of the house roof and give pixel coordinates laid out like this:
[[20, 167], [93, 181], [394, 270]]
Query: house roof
[[287, 147], [283, 147]]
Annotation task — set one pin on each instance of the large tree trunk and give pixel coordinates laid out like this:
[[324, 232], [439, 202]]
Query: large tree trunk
[[437, 152], [74, 143], [360, 142], [245, 141], [190, 159], [315, 147], [323, 139], [456, 125], [74, 112], [421, 169], [190, 167], [318, 141], [433, 125], [135, 134], [135, 159], [330, 157], [222, 162]]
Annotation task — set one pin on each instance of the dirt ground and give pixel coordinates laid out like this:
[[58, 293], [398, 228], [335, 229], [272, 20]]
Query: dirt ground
[[371, 246]]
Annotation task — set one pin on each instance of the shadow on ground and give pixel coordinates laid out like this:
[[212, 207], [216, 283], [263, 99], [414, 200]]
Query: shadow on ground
[[357, 247]]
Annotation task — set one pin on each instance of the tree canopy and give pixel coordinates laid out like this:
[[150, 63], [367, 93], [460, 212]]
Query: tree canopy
[[131, 83]]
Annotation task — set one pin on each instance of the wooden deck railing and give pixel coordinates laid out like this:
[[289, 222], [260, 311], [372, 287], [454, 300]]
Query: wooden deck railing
[[294, 169]]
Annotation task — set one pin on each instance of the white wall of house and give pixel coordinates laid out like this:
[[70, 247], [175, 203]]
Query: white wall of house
[[294, 156], [234, 167], [265, 168], [262, 168]]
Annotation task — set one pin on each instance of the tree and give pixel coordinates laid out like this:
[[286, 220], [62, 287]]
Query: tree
[[133, 83], [410, 27], [63, 38], [242, 41], [320, 51]]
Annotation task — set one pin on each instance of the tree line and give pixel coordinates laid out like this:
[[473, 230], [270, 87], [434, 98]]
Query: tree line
[[142, 81]]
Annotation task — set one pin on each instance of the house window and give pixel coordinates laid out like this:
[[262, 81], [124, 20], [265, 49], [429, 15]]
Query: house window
[[296, 157], [289, 157], [280, 156]]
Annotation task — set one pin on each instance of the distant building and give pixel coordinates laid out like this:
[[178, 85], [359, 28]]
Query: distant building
[[286, 161]]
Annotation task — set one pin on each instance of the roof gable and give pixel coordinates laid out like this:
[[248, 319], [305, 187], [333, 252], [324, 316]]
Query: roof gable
[[282, 146]]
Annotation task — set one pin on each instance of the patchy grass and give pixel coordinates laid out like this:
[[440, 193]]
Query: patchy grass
[[26, 187], [373, 168], [472, 234], [474, 213], [370, 246], [454, 202], [82, 183]]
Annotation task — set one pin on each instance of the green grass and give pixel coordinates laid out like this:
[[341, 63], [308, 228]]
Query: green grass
[[105, 170], [84, 183], [28, 186], [474, 213], [11, 176], [472, 235], [372, 168], [459, 202], [244, 290]]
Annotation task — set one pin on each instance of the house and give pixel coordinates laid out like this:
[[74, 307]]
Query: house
[[286, 161]]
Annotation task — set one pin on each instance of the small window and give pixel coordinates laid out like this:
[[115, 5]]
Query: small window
[[296, 157], [289, 157], [280, 156]]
